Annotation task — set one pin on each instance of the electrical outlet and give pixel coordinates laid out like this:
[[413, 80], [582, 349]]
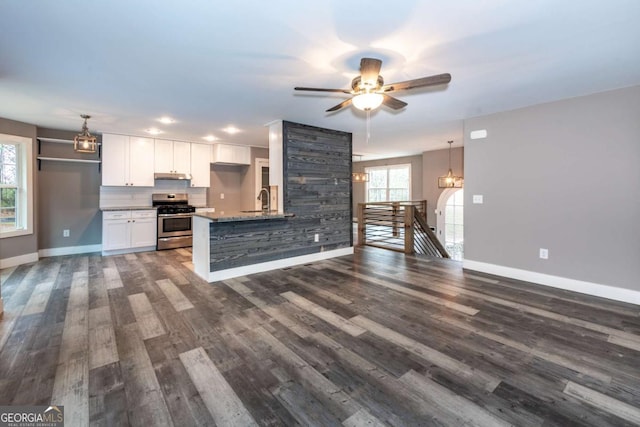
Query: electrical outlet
[[478, 199], [221, 195], [65, 233], [544, 253], [316, 237]]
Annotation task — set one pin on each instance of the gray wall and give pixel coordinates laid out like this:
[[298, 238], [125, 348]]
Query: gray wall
[[227, 180], [563, 176], [22, 245], [436, 164], [236, 182], [248, 185], [68, 196], [359, 188]]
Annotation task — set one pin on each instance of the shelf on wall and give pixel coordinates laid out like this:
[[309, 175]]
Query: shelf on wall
[[58, 141], [66, 159]]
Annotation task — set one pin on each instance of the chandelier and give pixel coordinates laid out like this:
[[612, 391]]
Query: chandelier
[[450, 180], [359, 176], [84, 142]]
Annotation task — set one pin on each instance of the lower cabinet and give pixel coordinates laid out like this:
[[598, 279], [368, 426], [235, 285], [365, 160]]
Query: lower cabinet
[[127, 231]]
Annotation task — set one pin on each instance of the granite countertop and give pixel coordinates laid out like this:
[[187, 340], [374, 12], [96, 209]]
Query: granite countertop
[[129, 208], [242, 216]]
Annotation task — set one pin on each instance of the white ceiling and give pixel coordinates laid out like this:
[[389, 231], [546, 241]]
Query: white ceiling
[[209, 63]]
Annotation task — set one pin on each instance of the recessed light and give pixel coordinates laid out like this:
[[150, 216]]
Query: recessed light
[[231, 130], [210, 138], [166, 120], [153, 131]]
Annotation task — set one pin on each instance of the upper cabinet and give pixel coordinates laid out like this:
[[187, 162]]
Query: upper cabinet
[[127, 161], [200, 165], [172, 156], [231, 154]]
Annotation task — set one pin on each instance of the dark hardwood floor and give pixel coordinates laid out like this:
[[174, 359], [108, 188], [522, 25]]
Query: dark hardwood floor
[[377, 338]]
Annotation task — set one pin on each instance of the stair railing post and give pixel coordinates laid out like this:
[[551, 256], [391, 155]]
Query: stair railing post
[[362, 226], [408, 229]]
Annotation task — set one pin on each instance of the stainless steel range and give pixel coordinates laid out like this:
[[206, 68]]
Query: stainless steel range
[[174, 220]]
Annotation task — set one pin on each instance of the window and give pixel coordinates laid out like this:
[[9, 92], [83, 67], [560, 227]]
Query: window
[[389, 183], [16, 195], [454, 225]]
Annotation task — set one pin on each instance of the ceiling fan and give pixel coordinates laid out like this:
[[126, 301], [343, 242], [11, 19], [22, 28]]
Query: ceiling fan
[[369, 91]]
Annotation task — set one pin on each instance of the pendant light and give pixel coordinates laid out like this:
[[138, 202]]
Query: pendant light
[[450, 180], [359, 176], [84, 142]]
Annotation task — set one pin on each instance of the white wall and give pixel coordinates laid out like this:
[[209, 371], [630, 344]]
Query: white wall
[[563, 176]]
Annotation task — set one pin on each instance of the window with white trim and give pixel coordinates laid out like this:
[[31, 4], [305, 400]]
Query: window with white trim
[[388, 183], [16, 187]]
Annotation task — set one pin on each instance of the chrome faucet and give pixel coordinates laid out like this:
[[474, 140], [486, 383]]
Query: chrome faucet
[[264, 190]]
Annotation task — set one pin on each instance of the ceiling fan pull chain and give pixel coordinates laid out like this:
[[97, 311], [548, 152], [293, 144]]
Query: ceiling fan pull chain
[[368, 125]]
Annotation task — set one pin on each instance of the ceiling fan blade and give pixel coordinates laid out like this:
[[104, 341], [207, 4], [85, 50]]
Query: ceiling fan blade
[[343, 104], [370, 70], [392, 102], [319, 89], [438, 79]]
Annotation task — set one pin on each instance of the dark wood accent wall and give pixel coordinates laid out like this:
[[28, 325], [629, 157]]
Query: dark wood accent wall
[[239, 243], [317, 183], [317, 190]]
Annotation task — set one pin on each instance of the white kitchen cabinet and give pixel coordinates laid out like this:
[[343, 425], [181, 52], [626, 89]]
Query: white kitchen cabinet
[[200, 165], [231, 154], [115, 234], [144, 228], [128, 231], [127, 161], [172, 156]]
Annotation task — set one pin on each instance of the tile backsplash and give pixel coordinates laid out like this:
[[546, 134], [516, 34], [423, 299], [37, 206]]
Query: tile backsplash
[[111, 197]]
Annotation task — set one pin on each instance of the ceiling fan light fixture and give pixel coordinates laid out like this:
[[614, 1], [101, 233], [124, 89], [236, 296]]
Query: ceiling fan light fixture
[[84, 142], [367, 101]]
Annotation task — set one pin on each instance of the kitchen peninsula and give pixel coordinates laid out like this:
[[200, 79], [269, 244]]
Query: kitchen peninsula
[[231, 245], [312, 167]]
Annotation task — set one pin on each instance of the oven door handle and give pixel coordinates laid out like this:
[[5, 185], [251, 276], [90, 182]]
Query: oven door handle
[[175, 214]]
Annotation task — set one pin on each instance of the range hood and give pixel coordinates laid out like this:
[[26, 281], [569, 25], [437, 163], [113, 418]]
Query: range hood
[[172, 176]]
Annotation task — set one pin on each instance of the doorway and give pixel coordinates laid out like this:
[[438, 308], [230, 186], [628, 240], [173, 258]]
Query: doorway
[[261, 181], [450, 222]]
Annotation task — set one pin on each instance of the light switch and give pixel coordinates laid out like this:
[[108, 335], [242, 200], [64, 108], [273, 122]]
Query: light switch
[[221, 195], [544, 253], [478, 199]]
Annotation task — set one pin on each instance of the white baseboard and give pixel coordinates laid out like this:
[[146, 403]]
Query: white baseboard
[[128, 250], [230, 273], [589, 288], [18, 260], [69, 250]]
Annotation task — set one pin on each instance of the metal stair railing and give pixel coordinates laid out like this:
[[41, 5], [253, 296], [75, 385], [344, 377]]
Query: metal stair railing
[[399, 226]]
